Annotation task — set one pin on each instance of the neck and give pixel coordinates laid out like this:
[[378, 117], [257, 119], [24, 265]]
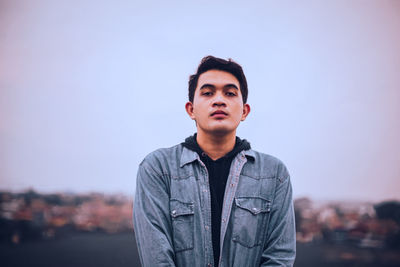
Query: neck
[[216, 146]]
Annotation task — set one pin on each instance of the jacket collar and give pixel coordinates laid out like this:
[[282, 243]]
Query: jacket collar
[[189, 156]]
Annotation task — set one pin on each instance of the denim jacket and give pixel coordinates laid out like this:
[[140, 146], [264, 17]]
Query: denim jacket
[[172, 211]]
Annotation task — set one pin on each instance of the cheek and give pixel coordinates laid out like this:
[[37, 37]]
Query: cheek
[[199, 113], [239, 111], [200, 108]]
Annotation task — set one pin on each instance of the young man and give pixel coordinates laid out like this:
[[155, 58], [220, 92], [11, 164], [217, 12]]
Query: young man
[[212, 200]]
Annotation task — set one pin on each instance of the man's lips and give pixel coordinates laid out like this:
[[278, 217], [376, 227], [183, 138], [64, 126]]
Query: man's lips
[[219, 113]]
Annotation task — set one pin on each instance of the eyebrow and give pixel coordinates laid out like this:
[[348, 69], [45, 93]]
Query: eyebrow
[[226, 86]]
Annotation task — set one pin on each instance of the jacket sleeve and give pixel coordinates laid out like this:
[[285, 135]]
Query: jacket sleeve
[[280, 244], [151, 219]]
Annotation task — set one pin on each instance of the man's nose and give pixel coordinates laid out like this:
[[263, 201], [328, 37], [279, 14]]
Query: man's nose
[[219, 100]]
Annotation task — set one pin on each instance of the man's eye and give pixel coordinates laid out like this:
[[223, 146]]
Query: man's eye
[[207, 93], [230, 94]]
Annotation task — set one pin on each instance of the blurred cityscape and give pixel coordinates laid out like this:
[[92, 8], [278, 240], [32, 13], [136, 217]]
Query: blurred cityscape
[[361, 224], [30, 215], [362, 227]]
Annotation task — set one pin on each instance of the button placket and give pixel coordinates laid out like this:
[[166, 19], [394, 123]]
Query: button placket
[[227, 204], [207, 213]]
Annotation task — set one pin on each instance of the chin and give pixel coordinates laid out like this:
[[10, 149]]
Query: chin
[[221, 130]]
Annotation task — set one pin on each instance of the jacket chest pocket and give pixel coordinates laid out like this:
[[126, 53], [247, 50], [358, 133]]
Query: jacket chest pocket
[[182, 215], [250, 217]]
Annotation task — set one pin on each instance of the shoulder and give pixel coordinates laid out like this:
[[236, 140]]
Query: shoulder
[[162, 157], [268, 165]]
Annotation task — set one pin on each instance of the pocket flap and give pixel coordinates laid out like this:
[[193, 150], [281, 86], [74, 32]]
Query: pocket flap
[[179, 208], [253, 204]]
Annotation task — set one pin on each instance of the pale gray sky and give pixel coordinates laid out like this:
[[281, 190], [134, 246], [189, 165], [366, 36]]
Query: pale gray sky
[[88, 88]]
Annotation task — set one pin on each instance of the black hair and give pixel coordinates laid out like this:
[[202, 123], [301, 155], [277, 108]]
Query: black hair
[[214, 63]]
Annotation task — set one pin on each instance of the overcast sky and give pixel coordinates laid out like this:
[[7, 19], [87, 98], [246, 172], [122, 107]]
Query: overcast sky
[[88, 88]]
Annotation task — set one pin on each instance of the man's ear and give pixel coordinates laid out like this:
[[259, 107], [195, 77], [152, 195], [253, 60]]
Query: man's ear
[[189, 110], [246, 111]]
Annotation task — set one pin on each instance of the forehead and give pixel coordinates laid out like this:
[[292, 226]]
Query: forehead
[[217, 78]]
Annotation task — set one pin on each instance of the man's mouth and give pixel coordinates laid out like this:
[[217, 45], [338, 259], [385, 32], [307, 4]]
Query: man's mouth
[[219, 113]]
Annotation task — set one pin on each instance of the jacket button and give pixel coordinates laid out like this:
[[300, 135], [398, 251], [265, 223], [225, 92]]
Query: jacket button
[[255, 209], [174, 212], [206, 227]]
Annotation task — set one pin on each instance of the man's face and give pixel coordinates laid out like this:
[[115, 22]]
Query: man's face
[[217, 104]]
